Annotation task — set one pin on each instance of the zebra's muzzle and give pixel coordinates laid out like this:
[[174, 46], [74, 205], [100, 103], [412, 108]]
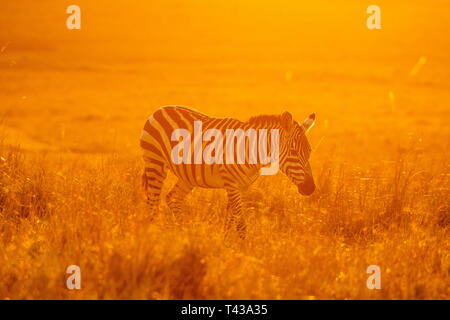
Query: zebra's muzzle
[[307, 187]]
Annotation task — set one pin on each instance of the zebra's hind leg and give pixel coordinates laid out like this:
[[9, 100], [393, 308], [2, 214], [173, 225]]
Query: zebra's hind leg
[[176, 196], [155, 172], [234, 213]]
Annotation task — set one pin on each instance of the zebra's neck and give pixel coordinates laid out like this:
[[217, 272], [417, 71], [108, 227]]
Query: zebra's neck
[[270, 123]]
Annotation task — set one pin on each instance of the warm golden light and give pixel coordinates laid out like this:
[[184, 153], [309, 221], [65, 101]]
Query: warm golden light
[[73, 103]]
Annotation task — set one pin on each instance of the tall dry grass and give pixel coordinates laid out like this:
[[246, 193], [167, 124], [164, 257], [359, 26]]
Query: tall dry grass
[[59, 210]]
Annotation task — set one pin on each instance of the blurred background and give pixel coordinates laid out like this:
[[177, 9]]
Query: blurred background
[[224, 58]]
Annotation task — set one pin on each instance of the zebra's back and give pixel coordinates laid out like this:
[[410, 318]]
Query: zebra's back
[[156, 141]]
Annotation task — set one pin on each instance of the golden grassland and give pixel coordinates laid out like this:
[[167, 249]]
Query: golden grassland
[[72, 104]]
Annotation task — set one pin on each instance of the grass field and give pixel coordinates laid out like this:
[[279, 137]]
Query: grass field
[[73, 103]]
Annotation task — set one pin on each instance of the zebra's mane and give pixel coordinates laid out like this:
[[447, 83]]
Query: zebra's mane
[[264, 119]]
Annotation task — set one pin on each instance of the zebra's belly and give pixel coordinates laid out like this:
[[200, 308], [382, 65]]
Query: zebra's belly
[[214, 176], [199, 175]]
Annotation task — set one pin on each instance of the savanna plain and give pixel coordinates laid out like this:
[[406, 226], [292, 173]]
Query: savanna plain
[[73, 103]]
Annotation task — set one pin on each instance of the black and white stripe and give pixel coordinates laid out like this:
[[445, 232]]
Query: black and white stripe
[[156, 143]]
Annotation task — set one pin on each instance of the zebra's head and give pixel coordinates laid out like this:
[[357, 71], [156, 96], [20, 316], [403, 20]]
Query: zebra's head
[[295, 153]]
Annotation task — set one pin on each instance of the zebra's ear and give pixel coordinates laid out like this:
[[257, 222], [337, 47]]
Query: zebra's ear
[[286, 121], [309, 122]]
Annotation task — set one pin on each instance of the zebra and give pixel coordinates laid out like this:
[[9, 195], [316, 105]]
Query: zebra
[[156, 143]]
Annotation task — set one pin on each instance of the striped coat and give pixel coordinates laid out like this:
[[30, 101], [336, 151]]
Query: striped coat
[[234, 166]]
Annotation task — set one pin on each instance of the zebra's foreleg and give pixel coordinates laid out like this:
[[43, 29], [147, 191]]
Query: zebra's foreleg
[[234, 213], [152, 180], [175, 197]]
